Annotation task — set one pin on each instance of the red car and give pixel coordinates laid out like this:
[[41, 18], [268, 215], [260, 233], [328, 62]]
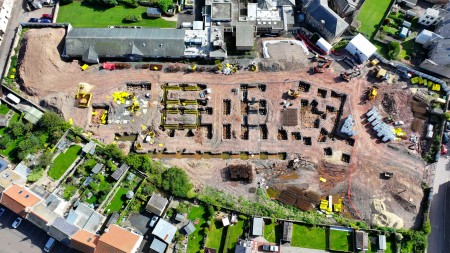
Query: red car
[[443, 150], [47, 16]]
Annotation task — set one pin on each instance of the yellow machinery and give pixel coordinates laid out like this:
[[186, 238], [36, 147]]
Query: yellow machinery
[[83, 96], [373, 93], [374, 62], [293, 93], [84, 67], [121, 96], [103, 118]]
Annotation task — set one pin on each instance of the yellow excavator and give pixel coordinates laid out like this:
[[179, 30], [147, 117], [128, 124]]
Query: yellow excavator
[[293, 93], [372, 94]]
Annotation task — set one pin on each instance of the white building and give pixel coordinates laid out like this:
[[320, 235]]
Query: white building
[[5, 14], [430, 17], [361, 47], [426, 37]]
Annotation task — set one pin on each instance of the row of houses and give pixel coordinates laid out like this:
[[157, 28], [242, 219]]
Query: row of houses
[[80, 229]]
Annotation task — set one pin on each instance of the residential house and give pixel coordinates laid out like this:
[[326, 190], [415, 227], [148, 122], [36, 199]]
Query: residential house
[[118, 240], [84, 241], [19, 199], [157, 204], [327, 23], [257, 226], [42, 216], [243, 246], [3, 164], [5, 14], [430, 17], [153, 12], [438, 57], [157, 246], [62, 230], [344, 7], [86, 218], [164, 231]]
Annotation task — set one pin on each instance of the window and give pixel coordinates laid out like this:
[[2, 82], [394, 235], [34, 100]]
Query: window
[[428, 22], [427, 16], [431, 18]]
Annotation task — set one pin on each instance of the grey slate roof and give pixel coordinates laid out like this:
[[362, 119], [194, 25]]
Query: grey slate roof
[[157, 246], [89, 43], [287, 231], [97, 168], [319, 10], [62, 230], [245, 35], [257, 226], [157, 204], [119, 171], [89, 148], [179, 217], [189, 228]]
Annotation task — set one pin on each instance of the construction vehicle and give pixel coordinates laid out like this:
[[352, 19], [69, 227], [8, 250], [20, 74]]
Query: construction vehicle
[[350, 74], [83, 96], [372, 93], [293, 93], [321, 66]]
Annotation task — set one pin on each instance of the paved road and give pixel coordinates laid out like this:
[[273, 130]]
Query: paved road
[[27, 238], [439, 239]]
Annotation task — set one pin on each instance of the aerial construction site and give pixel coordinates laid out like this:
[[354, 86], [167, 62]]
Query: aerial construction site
[[298, 126]]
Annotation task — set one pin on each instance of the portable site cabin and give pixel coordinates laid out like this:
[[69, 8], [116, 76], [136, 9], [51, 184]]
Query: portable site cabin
[[324, 45], [361, 47], [13, 98]]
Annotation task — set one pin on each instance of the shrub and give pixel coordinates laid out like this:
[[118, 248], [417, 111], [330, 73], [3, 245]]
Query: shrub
[[35, 175], [394, 50], [176, 181], [165, 4], [129, 3], [131, 19]]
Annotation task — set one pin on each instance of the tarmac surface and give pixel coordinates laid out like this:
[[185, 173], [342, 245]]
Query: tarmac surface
[[27, 238], [439, 239]]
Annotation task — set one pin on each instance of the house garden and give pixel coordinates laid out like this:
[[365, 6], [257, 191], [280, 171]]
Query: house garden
[[96, 15]]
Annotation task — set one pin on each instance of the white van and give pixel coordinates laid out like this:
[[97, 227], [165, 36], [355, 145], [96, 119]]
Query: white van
[[49, 245]]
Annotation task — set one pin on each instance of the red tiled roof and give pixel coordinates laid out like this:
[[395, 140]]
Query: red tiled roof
[[84, 241], [117, 240], [18, 199]]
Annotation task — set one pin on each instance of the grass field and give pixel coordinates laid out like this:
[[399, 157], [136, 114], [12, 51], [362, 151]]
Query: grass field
[[195, 239], [82, 15], [235, 232], [340, 240], [272, 232], [117, 201], [216, 236], [371, 15], [63, 162], [308, 237]]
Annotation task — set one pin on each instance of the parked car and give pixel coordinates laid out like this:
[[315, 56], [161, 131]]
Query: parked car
[[33, 20], [443, 150], [153, 221], [2, 211], [47, 16], [44, 20], [271, 248], [17, 222], [49, 245]]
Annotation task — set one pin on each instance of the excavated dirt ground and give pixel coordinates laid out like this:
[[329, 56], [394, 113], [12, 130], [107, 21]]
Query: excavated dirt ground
[[52, 82]]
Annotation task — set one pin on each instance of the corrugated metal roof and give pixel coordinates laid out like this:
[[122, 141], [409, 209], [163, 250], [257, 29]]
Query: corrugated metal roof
[[158, 246], [119, 42], [258, 224]]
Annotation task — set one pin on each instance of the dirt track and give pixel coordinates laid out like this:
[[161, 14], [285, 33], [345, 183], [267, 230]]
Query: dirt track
[[44, 76]]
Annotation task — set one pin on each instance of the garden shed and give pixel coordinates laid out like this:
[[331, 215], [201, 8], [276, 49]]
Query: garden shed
[[153, 12], [361, 47]]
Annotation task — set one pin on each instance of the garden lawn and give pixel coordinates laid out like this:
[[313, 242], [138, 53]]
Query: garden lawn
[[390, 246], [82, 15], [117, 201], [308, 237], [340, 240], [371, 15], [272, 232], [216, 236], [235, 232], [63, 162], [195, 239]]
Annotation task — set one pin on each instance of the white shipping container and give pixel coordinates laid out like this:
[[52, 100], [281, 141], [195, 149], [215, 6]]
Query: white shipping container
[[13, 98]]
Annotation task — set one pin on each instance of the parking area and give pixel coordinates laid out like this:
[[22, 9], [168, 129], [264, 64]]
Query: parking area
[[27, 238]]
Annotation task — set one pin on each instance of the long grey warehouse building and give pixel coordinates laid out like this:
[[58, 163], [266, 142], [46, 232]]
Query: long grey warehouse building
[[92, 44]]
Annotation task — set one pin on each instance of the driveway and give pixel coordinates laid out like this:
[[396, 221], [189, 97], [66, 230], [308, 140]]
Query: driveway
[[27, 238], [439, 239]]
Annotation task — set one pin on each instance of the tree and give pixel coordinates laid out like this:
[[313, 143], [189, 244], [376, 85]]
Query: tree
[[35, 175], [5, 141], [45, 159], [111, 151], [176, 181], [394, 50], [17, 129], [165, 4], [104, 187]]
